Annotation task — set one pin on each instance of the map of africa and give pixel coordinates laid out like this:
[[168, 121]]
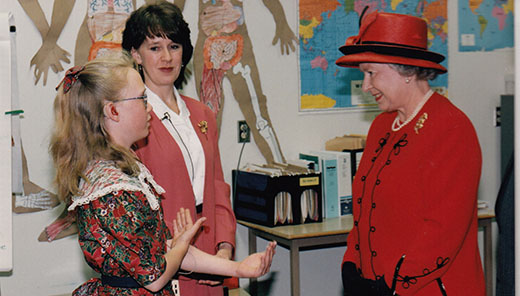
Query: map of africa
[[485, 25], [324, 27]]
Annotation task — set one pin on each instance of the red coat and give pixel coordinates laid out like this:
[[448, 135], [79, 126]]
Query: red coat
[[415, 194], [163, 157]]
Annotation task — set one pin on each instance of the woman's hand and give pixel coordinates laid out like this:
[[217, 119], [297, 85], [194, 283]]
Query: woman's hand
[[257, 264], [184, 230]]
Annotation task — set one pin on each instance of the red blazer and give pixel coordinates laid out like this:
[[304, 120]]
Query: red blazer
[[415, 194], [163, 157]]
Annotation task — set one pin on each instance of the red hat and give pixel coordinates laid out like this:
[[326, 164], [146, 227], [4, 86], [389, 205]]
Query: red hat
[[390, 38]]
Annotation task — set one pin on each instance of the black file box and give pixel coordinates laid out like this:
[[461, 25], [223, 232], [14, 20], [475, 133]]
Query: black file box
[[255, 197]]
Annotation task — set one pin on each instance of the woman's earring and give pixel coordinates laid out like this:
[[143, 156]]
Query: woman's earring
[[407, 80], [140, 68]]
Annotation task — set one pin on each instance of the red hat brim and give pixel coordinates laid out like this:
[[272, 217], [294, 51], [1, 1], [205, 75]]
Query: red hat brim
[[353, 60]]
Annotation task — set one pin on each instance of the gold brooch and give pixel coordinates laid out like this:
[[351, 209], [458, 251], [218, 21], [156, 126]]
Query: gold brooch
[[420, 122], [203, 125]]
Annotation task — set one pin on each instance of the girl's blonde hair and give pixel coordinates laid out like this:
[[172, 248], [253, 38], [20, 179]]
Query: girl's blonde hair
[[79, 134]]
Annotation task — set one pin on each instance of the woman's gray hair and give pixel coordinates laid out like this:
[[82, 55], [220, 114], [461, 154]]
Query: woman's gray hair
[[420, 72]]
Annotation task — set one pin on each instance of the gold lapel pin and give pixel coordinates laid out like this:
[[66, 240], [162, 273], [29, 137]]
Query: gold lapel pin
[[420, 122], [203, 125]]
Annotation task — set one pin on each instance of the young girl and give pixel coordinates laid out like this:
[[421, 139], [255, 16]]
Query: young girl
[[100, 111]]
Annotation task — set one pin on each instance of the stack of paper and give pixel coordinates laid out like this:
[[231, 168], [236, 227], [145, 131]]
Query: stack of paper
[[278, 194], [277, 169], [309, 205], [283, 208]]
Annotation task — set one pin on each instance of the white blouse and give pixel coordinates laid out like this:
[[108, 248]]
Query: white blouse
[[180, 128]]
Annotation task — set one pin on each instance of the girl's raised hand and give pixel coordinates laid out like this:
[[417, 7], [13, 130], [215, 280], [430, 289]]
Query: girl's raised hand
[[184, 230]]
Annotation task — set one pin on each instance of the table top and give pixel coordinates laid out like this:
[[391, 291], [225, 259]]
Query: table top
[[238, 292], [486, 214], [330, 226]]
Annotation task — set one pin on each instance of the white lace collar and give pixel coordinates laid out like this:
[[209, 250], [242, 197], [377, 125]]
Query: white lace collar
[[105, 177]]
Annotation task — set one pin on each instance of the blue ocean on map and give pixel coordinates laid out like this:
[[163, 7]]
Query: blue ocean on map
[[489, 25], [333, 81]]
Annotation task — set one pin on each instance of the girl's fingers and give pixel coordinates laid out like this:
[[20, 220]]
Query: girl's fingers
[[268, 258], [199, 222], [267, 262], [182, 215], [179, 220], [175, 227], [189, 221]]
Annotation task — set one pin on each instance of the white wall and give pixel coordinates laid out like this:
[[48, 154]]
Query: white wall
[[476, 81]]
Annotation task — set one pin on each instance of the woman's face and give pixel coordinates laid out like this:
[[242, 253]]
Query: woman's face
[[134, 112], [161, 60], [386, 85]]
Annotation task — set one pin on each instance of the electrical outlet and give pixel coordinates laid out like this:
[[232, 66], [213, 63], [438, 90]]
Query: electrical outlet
[[497, 120], [244, 134]]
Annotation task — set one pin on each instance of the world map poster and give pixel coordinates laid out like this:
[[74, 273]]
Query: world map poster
[[326, 24], [486, 25]]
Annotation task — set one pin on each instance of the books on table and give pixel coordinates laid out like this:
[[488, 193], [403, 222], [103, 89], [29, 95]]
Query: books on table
[[336, 169]]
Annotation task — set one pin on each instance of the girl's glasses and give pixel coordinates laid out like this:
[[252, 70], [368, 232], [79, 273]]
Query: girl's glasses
[[143, 97]]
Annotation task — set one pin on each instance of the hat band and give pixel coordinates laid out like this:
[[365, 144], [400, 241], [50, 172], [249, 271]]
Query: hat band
[[391, 44], [396, 50]]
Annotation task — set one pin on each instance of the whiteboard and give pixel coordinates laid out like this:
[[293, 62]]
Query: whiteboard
[[6, 227]]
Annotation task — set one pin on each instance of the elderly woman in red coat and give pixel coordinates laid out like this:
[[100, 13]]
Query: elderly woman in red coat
[[415, 192]]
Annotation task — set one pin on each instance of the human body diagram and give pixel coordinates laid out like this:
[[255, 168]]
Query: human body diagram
[[224, 49], [102, 29], [99, 34]]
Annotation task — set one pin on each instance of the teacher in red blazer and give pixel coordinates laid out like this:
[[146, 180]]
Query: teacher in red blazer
[[415, 192], [181, 151]]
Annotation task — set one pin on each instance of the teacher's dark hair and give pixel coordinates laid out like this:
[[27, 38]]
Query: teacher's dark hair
[[165, 20]]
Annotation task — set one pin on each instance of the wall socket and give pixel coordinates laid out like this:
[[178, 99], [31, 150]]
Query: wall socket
[[497, 118], [244, 134]]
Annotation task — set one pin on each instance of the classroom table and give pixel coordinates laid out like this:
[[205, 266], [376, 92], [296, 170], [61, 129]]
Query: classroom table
[[238, 292], [334, 231], [484, 222]]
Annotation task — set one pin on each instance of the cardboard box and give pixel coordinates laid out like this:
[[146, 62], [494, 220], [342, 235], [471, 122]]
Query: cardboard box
[[277, 200]]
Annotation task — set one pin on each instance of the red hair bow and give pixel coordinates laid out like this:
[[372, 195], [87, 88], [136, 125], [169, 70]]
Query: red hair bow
[[71, 76]]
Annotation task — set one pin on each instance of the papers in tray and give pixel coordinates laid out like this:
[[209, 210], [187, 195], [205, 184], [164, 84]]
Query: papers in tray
[[277, 194]]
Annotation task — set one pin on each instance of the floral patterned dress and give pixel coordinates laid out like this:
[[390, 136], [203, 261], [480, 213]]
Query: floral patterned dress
[[121, 229]]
